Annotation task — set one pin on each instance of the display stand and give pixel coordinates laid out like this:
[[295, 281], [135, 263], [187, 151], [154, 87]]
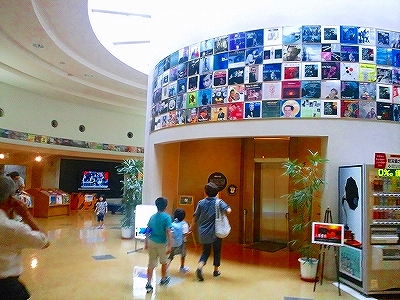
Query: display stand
[[49, 202], [142, 216], [321, 255]]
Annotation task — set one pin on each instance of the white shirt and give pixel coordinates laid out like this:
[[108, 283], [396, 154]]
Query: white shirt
[[16, 236]]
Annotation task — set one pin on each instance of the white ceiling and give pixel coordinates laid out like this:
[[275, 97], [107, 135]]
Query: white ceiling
[[72, 65]]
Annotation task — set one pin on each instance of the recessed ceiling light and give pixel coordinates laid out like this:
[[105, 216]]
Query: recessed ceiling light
[[88, 75], [37, 45], [62, 63]]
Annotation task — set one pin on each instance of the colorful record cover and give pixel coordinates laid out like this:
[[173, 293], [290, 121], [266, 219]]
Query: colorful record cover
[[272, 54], [396, 57], [291, 52], [311, 52], [396, 94], [311, 34], [291, 34], [383, 38], [156, 83], [271, 109], [366, 35], [383, 56], [236, 76], [221, 44], [181, 101], [272, 90], [330, 108], [193, 83], [367, 110], [291, 89], [183, 55], [204, 114], [349, 53], [182, 85], [164, 92], [395, 112], [182, 70], [157, 96], [368, 54], [273, 36], [311, 71], [330, 89], [394, 39], [194, 51], [219, 113], [330, 52], [220, 78], [272, 72], [237, 41], [384, 75], [330, 70], [191, 100], [173, 60], [311, 89], [220, 95], [164, 120], [349, 71], [205, 81], [290, 108], [221, 61], [367, 72], [157, 123], [384, 111], [165, 78], [367, 91], [206, 47], [291, 71], [396, 75], [172, 89], [310, 108], [348, 34], [253, 74], [206, 64], [173, 73], [252, 110], [349, 90], [254, 38], [330, 34], [181, 117], [204, 97], [165, 63], [254, 56], [171, 120], [253, 91], [384, 93], [171, 104], [235, 111], [349, 108], [194, 67], [191, 115], [236, 93], [236, 58]]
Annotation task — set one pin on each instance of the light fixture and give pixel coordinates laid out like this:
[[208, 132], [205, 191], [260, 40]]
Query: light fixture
[[38, 158], [2, 156], [38, 45], [88, 75]]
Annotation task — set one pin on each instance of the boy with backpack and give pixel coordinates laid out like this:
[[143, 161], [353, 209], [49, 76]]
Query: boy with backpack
[[179, 231]]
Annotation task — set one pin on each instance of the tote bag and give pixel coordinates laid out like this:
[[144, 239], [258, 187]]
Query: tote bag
[[222, 226]]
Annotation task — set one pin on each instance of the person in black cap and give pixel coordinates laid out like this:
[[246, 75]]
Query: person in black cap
[[204, 216]]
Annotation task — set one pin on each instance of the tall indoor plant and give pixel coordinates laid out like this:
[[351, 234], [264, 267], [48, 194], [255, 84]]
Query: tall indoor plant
[[132, 186], [307, 180]]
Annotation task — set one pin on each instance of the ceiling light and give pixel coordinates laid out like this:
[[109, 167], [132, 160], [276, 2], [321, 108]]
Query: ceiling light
[[88, 75], [2, 156], [37, 45], [38, 158]]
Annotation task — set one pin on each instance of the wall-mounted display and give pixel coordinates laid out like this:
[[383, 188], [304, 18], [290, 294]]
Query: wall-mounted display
[[339, 71]]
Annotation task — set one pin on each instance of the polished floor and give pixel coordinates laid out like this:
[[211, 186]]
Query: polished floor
[[84, 262]]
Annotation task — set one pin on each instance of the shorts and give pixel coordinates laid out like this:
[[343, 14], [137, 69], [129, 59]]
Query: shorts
[[100, 217], [157, 252], [178, 250]]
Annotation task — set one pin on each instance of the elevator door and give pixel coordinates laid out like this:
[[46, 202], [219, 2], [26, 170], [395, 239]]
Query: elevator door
[[273, 207]]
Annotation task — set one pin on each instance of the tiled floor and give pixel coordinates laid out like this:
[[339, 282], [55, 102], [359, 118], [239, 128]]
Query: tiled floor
[[84, 262]]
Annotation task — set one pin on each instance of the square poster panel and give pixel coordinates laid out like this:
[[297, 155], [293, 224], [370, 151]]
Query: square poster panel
[[384, 111], [206, 64], [273, 36], [236, 93], [311, 52], [291, 71], [330, 70], [367, 110], [220, 95], [330, 52], [291, 34], [348, 34], [311, 34], [290, 108], [394, 39], [194, 51], [272, 72], [181, 117], [396, 75], [253, 91], [235, 111], [396, 112], [367, 72], [291, 89], [272, 90], [221, 61], [384, 56], [291, 52], [367, 54], [349, 108], [366, 35], [349, 53], [237, 41], [272, 54], [396, 94], [311, 70], [221, 44], [206, 47], [330, 34], [384, 93], [367, 91], [220, 78], [330, 89], [254, 56], [311, 89], [252, 110], [349, 71], [383, 38], [254, 38], [271, 109], [330, 108], [384, 75], [349, 90], [219, 113], [253, 74], [310, 108]]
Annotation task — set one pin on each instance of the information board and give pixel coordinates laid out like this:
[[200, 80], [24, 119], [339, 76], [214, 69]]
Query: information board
[[142, 216]]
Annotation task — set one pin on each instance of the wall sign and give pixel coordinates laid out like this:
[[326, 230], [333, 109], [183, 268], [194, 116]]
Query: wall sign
[[231, 189], [219, 179]]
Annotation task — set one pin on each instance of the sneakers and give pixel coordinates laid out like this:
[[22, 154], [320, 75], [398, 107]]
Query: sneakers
[[216, 273], [184, 270], [165, 280], [149, 288], [199, 275]]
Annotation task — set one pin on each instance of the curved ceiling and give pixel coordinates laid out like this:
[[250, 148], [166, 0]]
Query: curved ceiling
[[54, 52]]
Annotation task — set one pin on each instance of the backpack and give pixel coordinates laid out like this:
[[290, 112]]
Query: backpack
[[177, 234]]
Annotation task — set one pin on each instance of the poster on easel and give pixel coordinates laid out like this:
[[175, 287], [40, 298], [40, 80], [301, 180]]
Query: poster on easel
[[327, 234], [142, 216]]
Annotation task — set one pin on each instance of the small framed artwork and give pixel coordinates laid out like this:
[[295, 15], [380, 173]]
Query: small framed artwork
[[330, 108], [185, 200], [327, 234]]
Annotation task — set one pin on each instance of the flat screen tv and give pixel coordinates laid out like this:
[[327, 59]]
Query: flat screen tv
[[94, 180]]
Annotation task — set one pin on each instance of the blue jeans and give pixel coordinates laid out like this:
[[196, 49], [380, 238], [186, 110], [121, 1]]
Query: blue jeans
[[216, 251]]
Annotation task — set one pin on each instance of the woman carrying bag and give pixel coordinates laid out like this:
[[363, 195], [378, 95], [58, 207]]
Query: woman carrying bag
[[204, 216]]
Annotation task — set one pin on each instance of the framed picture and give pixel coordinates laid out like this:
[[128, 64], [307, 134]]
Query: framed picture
[[186, 200], [328, 234]]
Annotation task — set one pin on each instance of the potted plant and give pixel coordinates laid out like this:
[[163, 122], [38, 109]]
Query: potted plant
[[307, 181], [132, 186]]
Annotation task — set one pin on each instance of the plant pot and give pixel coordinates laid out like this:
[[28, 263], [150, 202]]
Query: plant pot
[[308, 269], [127, 232]]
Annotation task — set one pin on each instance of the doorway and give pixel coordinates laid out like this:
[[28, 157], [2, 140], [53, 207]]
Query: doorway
[[270, 208]]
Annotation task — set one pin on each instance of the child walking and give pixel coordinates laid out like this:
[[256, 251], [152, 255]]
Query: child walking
[[101, 210], [158, 242], [179, 231]]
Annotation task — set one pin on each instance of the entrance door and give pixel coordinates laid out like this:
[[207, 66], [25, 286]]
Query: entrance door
[[273, 208]]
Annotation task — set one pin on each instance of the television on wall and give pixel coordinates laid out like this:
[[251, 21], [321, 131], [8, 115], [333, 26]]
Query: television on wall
[[94, 180]]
